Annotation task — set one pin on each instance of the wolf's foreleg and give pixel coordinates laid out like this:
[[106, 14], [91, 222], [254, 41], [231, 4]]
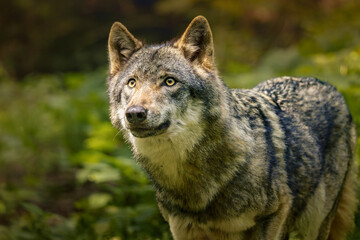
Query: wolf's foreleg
[[273, 228]]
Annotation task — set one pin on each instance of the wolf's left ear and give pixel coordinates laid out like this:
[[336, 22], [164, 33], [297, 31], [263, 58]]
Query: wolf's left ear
[[121, 46], [197, 43]]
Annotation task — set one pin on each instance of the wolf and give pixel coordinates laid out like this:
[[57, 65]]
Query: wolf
[[272, 162]]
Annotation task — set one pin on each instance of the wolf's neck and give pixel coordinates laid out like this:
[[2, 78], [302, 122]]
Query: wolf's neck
[[165, 157]]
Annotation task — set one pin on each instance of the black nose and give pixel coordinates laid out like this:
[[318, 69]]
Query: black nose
[[136, 114]]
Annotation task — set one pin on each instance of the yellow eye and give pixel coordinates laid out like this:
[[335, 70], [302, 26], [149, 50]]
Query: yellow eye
[[170, 81], [132, 83]]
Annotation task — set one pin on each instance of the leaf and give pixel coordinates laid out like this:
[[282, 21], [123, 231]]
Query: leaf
[[99, 200], [98, 173], [33, 209]]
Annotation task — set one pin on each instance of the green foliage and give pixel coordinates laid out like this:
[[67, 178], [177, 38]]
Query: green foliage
[[64, 173]]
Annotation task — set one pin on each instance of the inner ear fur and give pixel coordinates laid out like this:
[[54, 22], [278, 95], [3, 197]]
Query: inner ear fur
[[121, 46], [196, 43]]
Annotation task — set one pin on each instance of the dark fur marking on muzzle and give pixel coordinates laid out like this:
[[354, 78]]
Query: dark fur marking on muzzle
[[148, 132]]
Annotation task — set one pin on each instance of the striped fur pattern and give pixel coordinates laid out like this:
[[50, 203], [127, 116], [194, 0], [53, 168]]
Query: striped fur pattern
[[266, 163]]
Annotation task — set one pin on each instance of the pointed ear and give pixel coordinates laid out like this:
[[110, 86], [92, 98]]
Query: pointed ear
[[197, 43], [121, 45]]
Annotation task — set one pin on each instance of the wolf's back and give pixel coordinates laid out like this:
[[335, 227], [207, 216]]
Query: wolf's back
[[315, 104]]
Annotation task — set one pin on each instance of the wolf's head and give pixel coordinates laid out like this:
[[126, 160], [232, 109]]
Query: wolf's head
[[160, 89]]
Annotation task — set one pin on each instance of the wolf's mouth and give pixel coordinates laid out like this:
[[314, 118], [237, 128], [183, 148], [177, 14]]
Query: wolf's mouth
[[142, 132]]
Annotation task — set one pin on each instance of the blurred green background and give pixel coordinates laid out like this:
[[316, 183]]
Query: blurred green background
[[65, 172]]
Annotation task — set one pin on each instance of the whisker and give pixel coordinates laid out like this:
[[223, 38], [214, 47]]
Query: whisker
[[119, 131]]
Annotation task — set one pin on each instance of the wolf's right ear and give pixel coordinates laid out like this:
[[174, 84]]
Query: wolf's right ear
[[121, 45]]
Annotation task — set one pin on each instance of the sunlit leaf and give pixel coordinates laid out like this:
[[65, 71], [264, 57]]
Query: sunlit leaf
[[98, 200]]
